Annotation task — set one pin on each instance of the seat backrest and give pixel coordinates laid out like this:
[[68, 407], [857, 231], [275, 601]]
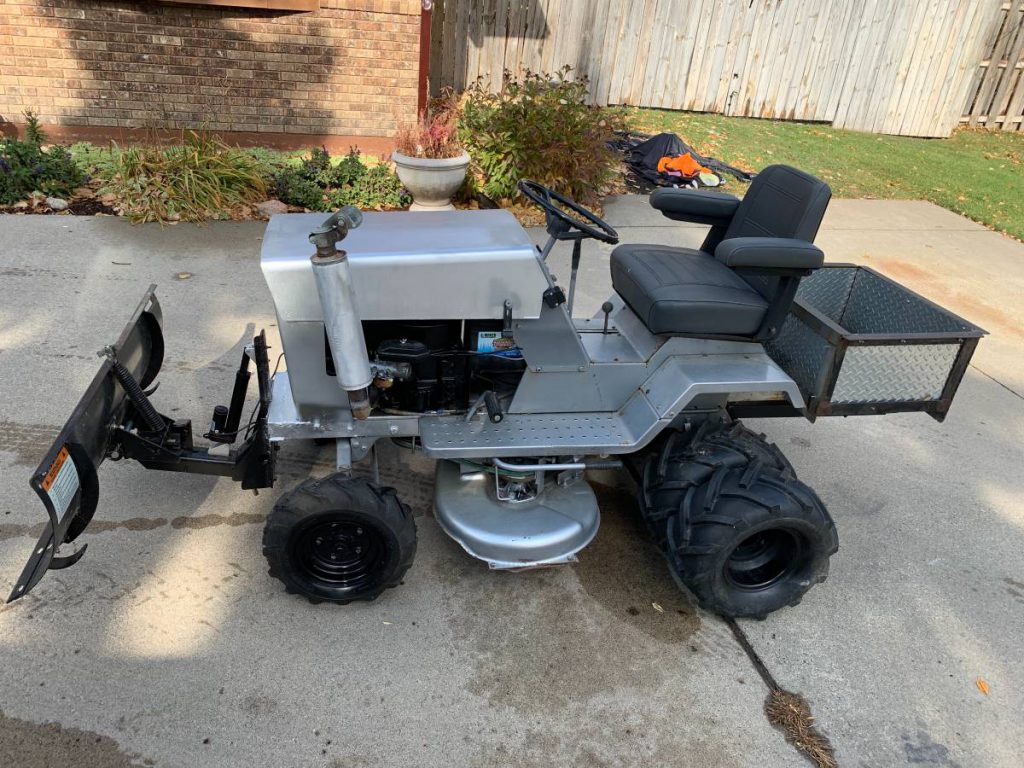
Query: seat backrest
[[782, 202]]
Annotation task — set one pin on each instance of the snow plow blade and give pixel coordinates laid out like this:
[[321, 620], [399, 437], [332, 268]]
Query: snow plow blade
[[66, 479]]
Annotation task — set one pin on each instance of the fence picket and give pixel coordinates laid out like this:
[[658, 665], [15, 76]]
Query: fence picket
[[874, 65]]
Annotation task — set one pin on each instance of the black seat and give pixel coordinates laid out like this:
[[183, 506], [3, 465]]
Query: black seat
[[742, 281], [682, 290]]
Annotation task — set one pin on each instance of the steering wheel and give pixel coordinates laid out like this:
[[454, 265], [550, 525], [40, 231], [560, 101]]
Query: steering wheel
[[554, 206]]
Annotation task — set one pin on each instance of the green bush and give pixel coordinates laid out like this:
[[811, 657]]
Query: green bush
[[539, 127], [290, 186], [25, 167], [200, 179], [350, 170], [320, 183], [377, 188], [88, 156]]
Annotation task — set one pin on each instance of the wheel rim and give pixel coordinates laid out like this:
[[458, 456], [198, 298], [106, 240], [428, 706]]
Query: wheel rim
[[763, 559], [339, 554]]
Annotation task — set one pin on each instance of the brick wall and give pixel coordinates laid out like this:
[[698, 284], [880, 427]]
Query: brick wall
[[349, 69]]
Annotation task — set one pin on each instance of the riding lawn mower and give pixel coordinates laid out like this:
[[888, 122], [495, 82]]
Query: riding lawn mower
[[445, 332]]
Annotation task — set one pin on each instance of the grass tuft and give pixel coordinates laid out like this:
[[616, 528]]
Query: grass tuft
[[201, 178]]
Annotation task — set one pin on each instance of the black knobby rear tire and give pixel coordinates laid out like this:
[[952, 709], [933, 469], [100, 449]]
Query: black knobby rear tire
[[750, 540], [687, 459], [339, 539]]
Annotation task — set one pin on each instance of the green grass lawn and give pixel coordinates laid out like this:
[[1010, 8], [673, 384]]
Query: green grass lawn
[[979, 174]]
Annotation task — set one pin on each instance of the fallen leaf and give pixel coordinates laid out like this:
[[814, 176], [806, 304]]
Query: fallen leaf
[[657, 607], [982, 686]]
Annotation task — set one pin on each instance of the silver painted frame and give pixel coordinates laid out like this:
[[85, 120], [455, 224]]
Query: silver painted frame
[[586, 390]]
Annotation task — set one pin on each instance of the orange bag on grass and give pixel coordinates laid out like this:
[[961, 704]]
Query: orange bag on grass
[[683, 164]]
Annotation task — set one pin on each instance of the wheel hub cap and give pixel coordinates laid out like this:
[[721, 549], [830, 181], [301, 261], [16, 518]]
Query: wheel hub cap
[[764, 559], [340, 554]]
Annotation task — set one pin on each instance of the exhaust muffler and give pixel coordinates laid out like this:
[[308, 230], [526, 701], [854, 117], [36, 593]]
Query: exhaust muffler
[[333, 276]]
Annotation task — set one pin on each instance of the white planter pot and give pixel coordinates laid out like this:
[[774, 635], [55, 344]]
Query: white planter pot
[[431, 182]]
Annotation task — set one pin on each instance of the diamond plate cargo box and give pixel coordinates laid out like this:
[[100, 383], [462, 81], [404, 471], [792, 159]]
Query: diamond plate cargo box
[[858, 343]]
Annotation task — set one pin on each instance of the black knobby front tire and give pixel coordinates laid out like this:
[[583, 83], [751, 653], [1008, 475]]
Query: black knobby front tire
[[339, 539], [687, 459], [750, 540]]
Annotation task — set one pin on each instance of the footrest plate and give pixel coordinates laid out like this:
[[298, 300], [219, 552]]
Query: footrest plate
[[524, 435]]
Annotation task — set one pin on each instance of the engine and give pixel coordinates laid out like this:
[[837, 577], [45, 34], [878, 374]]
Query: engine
[[438, 366]]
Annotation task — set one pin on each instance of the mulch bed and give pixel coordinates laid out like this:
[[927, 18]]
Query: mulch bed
[[90, 207]]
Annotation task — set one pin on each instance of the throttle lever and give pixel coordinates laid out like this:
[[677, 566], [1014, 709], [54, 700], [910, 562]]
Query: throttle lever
[[607, 308]]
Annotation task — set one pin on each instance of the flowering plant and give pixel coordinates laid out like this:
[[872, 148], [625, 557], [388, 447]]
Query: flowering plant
[[435, 134]]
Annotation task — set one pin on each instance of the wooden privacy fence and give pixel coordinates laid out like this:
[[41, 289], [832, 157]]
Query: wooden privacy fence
[[888, 66], [996, 96]]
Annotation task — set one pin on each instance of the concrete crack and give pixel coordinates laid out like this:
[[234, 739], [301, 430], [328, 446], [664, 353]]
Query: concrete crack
[[788, 711], [1009, 389]]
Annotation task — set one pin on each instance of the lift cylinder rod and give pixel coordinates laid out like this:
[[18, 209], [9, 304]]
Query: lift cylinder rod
[[234, 417]]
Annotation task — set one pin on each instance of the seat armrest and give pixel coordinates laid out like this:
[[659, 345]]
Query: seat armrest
[[769, 253], [714, 208]]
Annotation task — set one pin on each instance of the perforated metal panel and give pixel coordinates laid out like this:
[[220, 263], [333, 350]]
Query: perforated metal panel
[[524, 434]]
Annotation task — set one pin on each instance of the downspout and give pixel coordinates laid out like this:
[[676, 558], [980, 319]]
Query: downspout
[[425, 14]]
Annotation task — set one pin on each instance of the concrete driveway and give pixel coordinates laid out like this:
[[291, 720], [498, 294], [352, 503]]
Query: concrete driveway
[[169, 645]]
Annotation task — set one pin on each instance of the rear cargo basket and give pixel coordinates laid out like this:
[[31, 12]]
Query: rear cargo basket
[[858, 343]]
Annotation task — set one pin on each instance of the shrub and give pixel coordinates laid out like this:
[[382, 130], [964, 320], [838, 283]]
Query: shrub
[[317, 167], [200, 179], [34, 133], [88, 156], [25, 167], [539, 127], [349, 170], [291, 187], [376, 189], [320, 183]]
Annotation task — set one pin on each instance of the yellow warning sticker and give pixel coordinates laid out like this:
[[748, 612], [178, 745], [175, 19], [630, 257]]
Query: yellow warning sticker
[[61, 482]]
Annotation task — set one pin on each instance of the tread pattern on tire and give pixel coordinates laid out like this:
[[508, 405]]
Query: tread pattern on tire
[[337, 491], [700, 534], [688, 459]]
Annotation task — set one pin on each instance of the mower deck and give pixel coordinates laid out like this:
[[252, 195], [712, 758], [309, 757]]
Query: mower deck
[[542, 531]]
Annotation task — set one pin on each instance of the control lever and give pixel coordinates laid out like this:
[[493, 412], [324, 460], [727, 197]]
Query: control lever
[[577, 250], [489, 401], [494, 412], [607, 308]]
